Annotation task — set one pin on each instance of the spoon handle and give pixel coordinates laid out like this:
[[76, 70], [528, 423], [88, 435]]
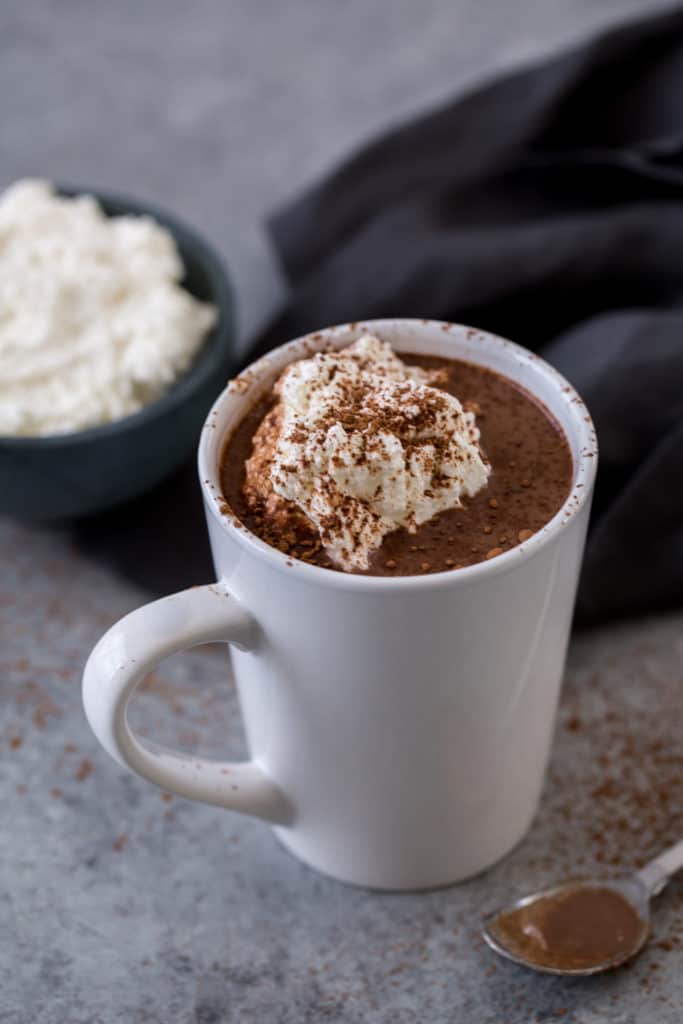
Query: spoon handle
[[659, 871]]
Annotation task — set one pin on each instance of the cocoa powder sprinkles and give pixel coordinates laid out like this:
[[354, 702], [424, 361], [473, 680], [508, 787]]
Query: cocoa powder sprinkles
[[530, 478]]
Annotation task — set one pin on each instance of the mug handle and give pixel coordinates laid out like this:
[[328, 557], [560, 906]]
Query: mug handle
[[120, 662]]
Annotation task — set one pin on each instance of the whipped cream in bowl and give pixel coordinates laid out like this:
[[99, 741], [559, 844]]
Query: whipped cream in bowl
[[94, 323], [363, 444], [91, 448]]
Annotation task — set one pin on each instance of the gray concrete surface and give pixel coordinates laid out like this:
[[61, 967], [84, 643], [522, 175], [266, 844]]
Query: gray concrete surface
[[121, 905]]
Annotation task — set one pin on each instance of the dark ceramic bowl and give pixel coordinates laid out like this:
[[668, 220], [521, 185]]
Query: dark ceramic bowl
[[64, 476]]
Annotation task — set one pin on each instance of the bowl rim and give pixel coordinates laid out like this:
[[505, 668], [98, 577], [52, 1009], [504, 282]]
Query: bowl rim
[[209, 356]]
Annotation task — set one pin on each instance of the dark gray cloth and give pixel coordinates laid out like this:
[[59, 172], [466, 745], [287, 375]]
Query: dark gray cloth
[[547, 207]]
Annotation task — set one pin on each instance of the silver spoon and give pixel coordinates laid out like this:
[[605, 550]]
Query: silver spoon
[[638, 890]]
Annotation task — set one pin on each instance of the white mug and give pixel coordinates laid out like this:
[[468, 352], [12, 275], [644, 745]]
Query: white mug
[[399, 727]]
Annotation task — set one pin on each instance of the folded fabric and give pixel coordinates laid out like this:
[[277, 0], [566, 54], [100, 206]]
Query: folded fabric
[[547, 207]]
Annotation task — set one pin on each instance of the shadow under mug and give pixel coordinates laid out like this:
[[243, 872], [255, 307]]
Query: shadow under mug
[[399, 727]]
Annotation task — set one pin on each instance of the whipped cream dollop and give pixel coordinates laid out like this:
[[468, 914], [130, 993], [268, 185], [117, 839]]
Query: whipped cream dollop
[[94, 323], [367, 444]]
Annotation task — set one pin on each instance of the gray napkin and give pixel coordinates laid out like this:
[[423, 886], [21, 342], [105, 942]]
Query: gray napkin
[[547, 207]]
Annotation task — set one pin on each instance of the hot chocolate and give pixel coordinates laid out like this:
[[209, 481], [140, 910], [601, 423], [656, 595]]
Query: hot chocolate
[[362, 462]]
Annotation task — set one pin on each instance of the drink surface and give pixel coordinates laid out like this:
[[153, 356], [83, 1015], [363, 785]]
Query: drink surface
[[530, 478]]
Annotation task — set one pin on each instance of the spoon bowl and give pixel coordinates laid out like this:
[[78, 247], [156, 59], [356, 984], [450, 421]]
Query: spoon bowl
[[633, 893], [632, 890]]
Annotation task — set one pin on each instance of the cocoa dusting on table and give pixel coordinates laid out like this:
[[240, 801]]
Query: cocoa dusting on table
[[84, 770], [577, 928], [530, 480]]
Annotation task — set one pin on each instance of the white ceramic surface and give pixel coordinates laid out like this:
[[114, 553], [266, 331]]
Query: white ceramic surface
[[399, 728]]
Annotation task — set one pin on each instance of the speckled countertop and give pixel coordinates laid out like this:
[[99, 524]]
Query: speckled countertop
[[119, 903]]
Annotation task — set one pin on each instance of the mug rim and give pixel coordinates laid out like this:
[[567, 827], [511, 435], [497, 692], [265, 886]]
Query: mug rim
[[584, 456]]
